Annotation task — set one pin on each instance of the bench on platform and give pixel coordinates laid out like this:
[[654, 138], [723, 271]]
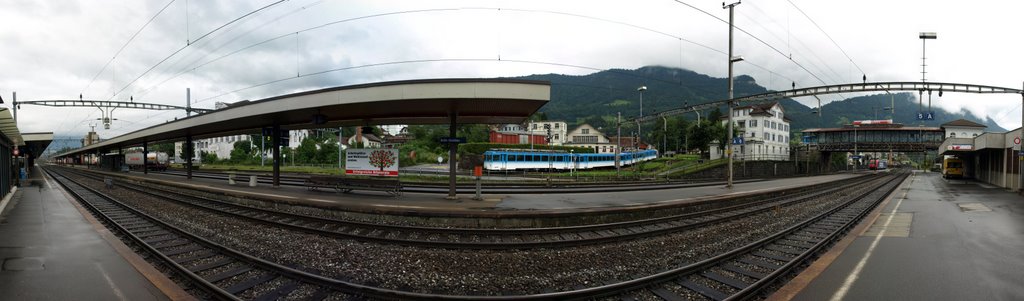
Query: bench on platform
[[316, 182], [391, 186]]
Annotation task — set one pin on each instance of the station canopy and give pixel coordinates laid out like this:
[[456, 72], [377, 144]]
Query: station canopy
[[435, 101]]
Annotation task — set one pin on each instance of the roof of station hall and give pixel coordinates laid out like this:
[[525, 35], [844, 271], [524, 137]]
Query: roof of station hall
[[474, 101]]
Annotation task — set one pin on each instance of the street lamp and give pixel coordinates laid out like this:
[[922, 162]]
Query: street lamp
[[639, 134]]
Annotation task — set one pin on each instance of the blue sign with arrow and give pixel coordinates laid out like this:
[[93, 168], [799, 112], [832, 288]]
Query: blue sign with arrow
[[737, 140]]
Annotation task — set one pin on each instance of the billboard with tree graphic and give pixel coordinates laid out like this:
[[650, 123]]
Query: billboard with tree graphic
[[371, 161]]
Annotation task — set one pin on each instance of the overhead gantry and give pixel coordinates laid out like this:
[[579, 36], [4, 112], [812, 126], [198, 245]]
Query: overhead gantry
[[923, 87], [106, 107]]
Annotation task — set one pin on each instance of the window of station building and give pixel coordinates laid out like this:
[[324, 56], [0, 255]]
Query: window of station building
[[753, 123], [585, 131], [557, 125], [952, 135]]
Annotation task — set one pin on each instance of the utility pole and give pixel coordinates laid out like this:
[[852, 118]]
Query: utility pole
[[730, 104], [618, 143]]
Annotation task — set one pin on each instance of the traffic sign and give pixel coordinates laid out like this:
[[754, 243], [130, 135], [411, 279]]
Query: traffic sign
[[1016, 140], [452, 140], [737, 140]]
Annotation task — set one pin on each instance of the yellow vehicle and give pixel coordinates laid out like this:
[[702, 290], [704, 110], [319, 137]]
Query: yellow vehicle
[[952, 168]]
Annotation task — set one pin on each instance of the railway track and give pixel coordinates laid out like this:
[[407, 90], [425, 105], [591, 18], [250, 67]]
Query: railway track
[[538, 187], [520, 238], [219, 272], [741, 273]]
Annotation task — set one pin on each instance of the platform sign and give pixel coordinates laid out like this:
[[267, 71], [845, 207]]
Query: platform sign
[[855, 157], [445, 140], [371, 161]]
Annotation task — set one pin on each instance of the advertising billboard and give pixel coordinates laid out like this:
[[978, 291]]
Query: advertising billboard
[[371, 161]]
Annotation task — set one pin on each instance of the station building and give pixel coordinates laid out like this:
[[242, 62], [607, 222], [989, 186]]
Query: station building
[[993, 158], [764, 129]]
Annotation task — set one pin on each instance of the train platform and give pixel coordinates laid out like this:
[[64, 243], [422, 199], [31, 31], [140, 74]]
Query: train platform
[[52, 249], [498, 204], [934, 239]]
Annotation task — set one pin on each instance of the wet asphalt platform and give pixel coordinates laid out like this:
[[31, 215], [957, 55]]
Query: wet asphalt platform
[[50, 250], [938, 240]]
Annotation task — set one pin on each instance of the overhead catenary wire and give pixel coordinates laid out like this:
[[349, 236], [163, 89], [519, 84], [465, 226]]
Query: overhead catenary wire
[[826, 35], [758, 39], [132, 38], [834, 76], [200, 38], [288, 34]]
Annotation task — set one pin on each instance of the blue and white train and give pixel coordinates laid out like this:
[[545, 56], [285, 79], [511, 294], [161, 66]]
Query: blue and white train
[[525, 159]]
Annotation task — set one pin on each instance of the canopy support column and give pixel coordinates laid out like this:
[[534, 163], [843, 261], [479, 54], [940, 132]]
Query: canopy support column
[[276, 132], [452, 147]]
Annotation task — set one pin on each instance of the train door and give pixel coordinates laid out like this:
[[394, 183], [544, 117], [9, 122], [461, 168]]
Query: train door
[[502, 162]]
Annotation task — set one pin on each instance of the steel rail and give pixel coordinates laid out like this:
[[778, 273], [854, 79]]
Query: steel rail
[[516, 238]]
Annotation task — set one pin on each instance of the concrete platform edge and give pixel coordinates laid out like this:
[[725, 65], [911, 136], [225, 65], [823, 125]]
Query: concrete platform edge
[[7, 199]]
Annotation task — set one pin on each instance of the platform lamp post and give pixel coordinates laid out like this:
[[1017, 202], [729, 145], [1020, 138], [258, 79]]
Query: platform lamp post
[[730, 104]]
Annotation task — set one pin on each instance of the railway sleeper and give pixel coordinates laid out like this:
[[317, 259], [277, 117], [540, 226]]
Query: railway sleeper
[[216, 264], [666, 294], [759, 262], [244, 285], [745, 272], [281, 291], [779, 248], [228, 274], [183, 250], [198, 256], [727, 280], [702, 289], [772, 256]]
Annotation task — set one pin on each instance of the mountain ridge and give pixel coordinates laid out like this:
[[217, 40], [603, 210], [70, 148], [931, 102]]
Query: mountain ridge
[[595, 99]]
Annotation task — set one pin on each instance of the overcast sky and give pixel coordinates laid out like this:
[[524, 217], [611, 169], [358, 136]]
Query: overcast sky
[[55, 49]]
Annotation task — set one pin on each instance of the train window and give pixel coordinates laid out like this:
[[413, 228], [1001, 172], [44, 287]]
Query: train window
[[544, 158], [529, 158]]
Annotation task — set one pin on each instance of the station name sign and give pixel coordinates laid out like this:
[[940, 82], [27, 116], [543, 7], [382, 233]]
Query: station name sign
[[960, 147]]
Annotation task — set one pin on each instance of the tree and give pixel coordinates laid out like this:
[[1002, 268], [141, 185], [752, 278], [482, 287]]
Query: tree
[[208, 158], [306, 151], [242, 152]]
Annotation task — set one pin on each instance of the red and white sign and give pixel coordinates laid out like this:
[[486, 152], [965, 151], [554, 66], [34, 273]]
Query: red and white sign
[[371, 161], [1016, 140], [960, 147]]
